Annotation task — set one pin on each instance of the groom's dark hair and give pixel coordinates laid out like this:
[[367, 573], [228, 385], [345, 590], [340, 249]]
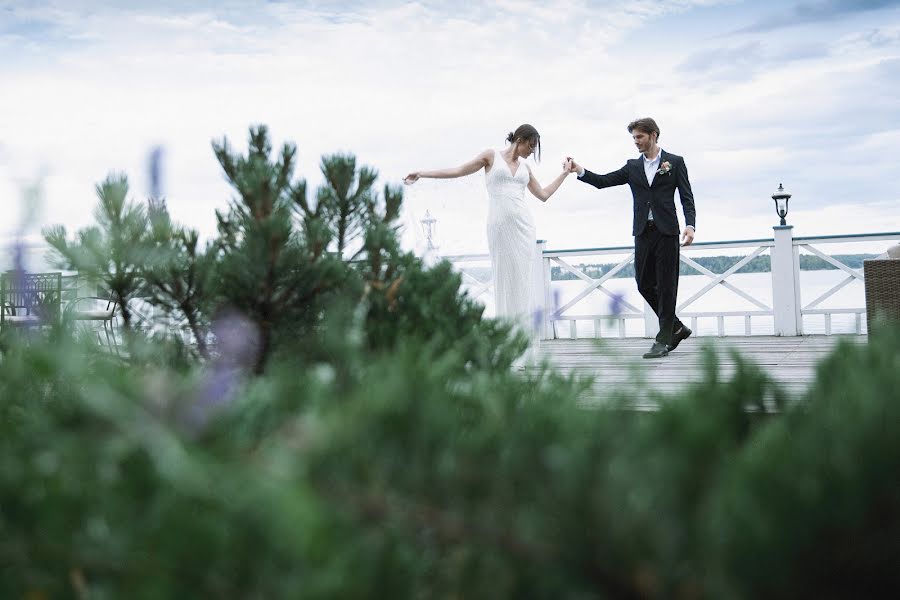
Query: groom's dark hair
[[647, 125]]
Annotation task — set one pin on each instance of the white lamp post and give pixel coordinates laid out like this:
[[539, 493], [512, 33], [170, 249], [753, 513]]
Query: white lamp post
[[785, 272]]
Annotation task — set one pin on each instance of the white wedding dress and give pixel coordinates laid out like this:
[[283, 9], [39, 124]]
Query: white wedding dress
[[511, 243]]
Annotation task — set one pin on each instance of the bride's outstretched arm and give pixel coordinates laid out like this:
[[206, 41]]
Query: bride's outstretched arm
[[543, 193], [481, 161]]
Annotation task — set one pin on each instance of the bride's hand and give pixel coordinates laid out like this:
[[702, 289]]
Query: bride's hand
[[411, 178]]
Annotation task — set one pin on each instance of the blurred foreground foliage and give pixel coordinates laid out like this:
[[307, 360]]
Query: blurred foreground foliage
[[345, 424]]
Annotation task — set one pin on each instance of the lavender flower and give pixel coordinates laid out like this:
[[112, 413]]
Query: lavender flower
[[616, 302], [216, 391], [538, 316], [18, 252], [537, 319], [18, 271], [155, 168], [237, 345], [237, 339]]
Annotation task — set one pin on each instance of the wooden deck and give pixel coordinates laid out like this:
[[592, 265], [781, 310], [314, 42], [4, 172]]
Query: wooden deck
[[617, 362]]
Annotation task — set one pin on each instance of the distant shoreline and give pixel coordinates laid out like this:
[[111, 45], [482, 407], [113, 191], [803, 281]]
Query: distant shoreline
[[718, 264]]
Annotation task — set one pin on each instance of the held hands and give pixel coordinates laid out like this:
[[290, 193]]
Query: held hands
[[570, 166], [411, 178], [687, 237]]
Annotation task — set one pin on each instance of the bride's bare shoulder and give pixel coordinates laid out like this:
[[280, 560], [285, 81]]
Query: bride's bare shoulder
[[487, 158]]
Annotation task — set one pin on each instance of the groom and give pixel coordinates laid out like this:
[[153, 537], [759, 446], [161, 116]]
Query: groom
[[653, 178]]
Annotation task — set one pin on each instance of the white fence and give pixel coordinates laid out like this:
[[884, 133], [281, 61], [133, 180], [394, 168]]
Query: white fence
[[788, 301]]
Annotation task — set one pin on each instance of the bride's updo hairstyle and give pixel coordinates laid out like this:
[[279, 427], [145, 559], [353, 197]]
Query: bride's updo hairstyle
[[527, 133]]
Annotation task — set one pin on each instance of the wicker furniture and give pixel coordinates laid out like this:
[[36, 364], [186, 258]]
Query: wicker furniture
[[882, 278], [29, 299]]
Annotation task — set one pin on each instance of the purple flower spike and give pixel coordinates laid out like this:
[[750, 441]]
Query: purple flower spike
[[18, 252], [237, 338], [616, 303], [19, 263], [19, 256], [237, 344], [216, 391], [156, 156]]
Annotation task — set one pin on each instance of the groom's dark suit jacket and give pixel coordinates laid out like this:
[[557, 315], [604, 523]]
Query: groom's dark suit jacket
[[660, 196]]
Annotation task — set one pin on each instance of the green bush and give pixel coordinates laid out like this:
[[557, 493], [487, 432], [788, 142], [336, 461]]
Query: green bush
[[415, 478], [382, 447]]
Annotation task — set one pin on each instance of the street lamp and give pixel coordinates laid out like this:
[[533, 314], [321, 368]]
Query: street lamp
[[781, 198], [428, 224]]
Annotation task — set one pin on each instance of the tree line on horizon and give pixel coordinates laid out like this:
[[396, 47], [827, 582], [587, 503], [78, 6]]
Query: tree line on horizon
[[718, 265]]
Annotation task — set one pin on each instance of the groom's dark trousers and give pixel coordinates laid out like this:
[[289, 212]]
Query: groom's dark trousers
[[656, 242]]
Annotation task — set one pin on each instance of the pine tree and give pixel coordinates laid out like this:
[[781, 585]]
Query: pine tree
[[267, 269], [112, 252], [347, 199], [177, 273]]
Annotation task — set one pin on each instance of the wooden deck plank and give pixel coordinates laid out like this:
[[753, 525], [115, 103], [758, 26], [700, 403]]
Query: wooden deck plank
[[616, 363]]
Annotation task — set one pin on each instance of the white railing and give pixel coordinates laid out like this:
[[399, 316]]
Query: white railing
[[793, 301], [627, 310], [812, 307], [477, 288], [785, 310]]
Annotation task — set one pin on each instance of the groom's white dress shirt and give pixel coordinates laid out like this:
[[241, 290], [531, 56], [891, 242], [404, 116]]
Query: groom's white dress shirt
[[650, 168]]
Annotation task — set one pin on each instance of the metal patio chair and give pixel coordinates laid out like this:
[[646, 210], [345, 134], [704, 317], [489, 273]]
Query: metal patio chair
[[30, 299], [96, 309]]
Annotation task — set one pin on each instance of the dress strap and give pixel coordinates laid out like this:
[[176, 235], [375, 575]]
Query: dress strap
[[496, 158]]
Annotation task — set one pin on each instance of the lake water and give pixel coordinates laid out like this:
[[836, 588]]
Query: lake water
[[719, 299]]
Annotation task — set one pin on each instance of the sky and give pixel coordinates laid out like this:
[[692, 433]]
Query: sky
[[750, 93]]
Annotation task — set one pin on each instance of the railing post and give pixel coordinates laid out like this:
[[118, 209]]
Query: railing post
[[785, 283], [541, 278], [651, 322]]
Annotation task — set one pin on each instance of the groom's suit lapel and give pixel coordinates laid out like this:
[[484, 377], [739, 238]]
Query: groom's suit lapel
[[639, 173]]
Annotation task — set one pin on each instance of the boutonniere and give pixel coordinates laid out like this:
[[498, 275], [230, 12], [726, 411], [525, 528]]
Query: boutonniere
[[664, 168]]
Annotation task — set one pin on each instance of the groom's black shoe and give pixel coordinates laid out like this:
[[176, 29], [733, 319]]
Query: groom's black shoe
[[682, 334], [657, 351]]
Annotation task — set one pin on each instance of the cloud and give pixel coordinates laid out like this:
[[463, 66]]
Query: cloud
[[816, 11], [728, 62], [744, 60], [879, 39], [416, 85]]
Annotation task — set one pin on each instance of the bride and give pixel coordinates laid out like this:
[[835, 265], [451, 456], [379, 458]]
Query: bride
[[510, 227]]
